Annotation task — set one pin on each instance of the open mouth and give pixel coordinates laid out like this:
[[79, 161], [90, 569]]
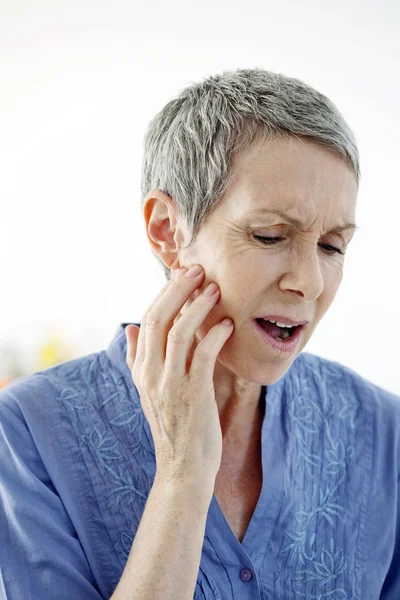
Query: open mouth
[[279, 333]]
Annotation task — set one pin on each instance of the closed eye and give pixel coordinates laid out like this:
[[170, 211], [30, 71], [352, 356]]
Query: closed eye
[[269, 241]]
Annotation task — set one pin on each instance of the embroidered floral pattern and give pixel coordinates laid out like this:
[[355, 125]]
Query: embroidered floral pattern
[[110, 427], [315, 418]]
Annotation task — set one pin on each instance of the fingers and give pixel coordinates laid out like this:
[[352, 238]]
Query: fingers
[[131, 333], [141, 341], [160, 319], [180, 337], [206, 353], [164, 341]]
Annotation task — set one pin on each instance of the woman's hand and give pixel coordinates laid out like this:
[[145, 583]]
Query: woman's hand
[[179, 401]]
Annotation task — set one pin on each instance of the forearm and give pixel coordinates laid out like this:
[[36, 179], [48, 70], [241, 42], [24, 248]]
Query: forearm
[[164, 560]]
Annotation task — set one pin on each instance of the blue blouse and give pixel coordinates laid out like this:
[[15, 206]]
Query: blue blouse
[[78, 462]]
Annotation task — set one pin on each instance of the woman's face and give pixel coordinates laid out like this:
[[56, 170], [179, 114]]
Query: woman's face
[[297, 276]]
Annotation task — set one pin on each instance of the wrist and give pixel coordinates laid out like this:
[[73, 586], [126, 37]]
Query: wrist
[[198, 492]]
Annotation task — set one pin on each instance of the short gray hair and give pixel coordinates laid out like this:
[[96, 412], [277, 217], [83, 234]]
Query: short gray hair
[[189, 146]]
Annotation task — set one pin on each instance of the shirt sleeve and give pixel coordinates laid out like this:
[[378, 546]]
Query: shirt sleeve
[[41, 557]]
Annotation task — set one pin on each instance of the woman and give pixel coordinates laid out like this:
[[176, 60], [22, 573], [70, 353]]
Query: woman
[[195, 459]]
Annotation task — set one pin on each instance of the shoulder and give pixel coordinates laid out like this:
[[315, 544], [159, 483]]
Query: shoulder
[[44, 387], [36, 489], [40, 412], [325, 370], [47, 401], [359, 397]]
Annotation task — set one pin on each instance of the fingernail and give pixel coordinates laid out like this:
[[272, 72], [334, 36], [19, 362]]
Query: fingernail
[[211, 289], [228, 322], [194, 270]]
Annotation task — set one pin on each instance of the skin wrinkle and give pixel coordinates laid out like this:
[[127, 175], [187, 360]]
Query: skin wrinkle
[[294, 277], [302, 226]]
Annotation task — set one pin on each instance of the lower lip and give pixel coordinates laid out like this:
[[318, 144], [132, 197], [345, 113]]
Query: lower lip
[[286, 347]]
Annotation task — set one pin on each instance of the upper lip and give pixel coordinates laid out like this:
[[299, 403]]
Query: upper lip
[[281, 319]]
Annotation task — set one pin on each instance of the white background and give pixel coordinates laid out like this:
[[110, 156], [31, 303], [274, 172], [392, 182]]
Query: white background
[[80, 80]]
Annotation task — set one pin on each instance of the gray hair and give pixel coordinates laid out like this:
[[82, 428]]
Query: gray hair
[[190, 145]]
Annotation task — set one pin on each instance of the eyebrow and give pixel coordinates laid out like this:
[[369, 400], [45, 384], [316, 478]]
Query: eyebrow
[[301, 226]]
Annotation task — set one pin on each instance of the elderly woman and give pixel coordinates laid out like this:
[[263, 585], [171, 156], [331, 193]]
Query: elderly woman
[[195, 458]]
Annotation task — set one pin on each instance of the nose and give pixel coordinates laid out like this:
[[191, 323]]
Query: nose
[[304, 273]]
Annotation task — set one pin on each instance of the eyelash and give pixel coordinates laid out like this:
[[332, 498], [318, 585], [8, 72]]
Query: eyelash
[[272, 239]]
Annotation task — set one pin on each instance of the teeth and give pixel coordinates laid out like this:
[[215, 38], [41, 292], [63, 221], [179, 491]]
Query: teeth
[[279, 324]]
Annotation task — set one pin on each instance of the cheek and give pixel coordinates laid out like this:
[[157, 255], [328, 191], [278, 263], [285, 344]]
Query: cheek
[[267, 270], [332, 279], [328, 295]]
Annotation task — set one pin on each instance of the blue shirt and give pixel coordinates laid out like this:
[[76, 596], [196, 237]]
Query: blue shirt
[[78, 462]]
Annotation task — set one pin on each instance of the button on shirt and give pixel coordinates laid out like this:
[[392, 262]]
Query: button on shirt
[[77, 463]]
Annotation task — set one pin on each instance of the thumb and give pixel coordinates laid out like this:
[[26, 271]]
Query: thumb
[[132, 334]]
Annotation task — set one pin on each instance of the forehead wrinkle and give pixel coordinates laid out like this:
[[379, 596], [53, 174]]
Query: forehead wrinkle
[[300, 225]]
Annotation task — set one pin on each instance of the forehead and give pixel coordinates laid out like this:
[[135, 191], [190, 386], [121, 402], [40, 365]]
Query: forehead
[[296, 176]]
